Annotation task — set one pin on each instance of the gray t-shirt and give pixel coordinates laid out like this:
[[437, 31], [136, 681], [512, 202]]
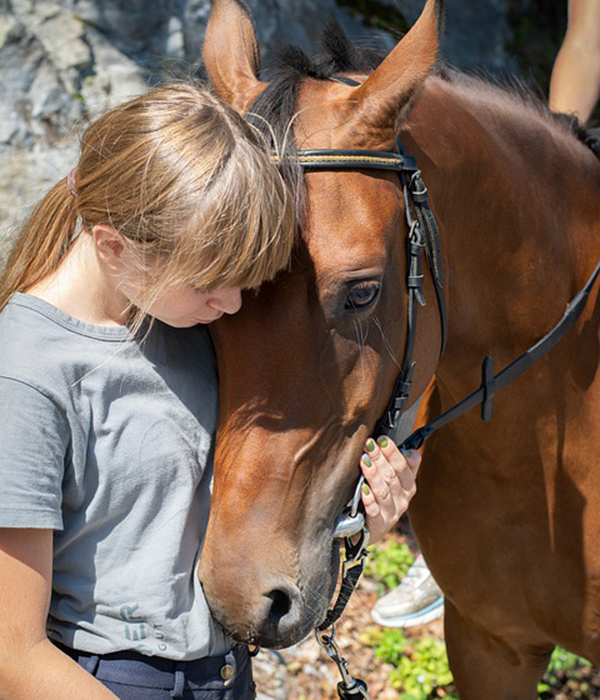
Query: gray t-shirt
[[109, 442]]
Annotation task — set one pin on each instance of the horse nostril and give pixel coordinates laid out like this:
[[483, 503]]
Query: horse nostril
[[281, 604], [280, 615]]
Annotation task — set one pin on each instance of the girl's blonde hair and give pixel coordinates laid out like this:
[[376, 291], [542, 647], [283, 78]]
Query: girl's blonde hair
[[184, 179]]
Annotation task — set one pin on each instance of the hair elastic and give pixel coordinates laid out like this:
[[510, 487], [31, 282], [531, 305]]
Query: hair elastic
[[71, 182]]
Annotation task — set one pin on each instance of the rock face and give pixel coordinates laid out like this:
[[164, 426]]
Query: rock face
[[62, 62], [56, 72]]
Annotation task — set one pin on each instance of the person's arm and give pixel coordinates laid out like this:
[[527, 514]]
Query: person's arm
[[31, 667], [575, 81]]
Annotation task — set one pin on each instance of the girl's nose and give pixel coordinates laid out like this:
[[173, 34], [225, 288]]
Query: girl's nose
[[228, 300]]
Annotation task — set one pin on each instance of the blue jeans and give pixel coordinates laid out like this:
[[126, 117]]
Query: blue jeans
[[131, 676]]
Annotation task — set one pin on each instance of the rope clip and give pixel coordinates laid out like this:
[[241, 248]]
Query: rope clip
[[349, 687]]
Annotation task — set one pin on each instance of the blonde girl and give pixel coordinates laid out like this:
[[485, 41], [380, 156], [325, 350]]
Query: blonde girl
[[108, 403]]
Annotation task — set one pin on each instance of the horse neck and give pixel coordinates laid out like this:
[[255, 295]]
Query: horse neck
[[516, 199]]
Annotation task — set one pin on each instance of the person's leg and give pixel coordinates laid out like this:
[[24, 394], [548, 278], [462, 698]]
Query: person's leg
[[417, 600]]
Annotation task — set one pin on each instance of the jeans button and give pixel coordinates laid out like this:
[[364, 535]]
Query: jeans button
[[227, 672]]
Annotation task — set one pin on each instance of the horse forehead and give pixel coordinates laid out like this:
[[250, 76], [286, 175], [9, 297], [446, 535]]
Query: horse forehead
[[324, 117], [352, 217]]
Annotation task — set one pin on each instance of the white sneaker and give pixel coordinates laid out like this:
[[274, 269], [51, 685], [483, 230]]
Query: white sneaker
[[417, 600]]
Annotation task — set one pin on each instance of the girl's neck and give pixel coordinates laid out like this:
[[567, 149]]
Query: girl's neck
[[81, 288]]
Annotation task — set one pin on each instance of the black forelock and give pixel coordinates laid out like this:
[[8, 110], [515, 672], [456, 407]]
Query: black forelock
[[343, 55], [288, 67]]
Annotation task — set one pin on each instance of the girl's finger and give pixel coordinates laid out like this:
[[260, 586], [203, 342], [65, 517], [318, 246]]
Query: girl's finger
[[397, 462], [378, 485], [382, 463], [414, 460], [393, 454], [371, 507]]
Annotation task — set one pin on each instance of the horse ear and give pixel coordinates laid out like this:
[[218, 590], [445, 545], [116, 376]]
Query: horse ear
[[230, 54], [385, 96]]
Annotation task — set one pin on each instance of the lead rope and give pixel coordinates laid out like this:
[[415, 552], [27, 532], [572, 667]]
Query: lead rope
[[349, 688]]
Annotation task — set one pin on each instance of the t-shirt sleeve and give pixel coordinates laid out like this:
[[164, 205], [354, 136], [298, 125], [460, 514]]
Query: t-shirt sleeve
[[34, 441]]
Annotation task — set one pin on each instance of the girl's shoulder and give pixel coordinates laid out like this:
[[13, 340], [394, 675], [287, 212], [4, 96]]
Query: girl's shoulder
[[47, 349], [29, 315], [63, 357]]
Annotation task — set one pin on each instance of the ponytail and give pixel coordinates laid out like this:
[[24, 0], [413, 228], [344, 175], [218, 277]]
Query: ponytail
[[43, 242]]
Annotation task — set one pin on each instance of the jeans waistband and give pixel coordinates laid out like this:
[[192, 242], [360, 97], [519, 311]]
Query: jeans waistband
[[210, 673]]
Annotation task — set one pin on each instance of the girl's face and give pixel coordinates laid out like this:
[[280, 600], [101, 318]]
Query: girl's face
[[179, 306], [182, 307]]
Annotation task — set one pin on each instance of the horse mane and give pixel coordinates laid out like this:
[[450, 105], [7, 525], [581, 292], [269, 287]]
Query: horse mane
[[290, 66], [515, 88]]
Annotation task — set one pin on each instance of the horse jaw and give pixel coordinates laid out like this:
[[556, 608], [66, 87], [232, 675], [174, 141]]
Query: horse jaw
[[268, 568]]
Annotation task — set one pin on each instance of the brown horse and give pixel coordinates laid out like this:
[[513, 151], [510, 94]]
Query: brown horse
[[507, 514]]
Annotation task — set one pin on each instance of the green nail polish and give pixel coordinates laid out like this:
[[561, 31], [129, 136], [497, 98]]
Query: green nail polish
[[407, 453], [366, 490], [383, 442], [367, 461], [370, 445]]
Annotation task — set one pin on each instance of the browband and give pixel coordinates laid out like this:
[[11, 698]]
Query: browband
[[324, 159]]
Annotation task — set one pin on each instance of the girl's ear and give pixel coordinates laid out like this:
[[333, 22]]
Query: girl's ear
[[109, 245]]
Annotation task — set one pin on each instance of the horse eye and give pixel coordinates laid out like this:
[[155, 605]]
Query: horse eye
[[361, 295]]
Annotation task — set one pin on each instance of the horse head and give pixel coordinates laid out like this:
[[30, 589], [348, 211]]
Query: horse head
[[307, 367]]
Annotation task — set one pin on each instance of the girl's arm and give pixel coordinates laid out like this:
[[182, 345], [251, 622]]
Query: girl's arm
[[31, 667]]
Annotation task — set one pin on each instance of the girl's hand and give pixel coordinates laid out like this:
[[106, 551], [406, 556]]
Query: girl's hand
[[390, 484]]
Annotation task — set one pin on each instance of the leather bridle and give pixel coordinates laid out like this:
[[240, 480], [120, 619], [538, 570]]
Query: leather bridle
[[422, 238]]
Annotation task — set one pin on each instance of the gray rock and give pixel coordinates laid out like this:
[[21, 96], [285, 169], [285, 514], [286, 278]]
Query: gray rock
[[25, 175], [476, 33], [280, 22], [56, 73], [114, 78], [139, 29], [61, 35]]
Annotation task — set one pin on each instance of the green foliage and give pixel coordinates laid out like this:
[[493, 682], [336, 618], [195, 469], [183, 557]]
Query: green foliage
[[388, 563], [390, 645], [563, 664], [421, 671], [420, 667]]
